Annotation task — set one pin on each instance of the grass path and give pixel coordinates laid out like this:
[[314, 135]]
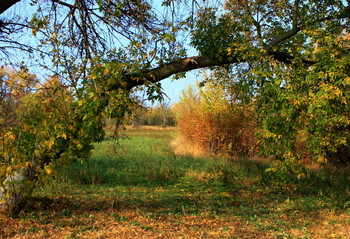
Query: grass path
[[141, 189]]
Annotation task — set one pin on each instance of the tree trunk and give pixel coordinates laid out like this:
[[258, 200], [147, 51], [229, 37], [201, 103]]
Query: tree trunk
[[16, 188]]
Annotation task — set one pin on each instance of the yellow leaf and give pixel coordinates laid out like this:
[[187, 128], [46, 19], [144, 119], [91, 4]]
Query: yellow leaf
[[25, 127], [5, 154], [10, 136], [50, 143], [346, 81], [79, 146], [37, 153], [64, 135], [138, 45], [106, 72], [48, 170]]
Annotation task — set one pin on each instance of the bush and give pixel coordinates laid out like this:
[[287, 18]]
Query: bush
[[286, 175], [231, 132], [219, 126]]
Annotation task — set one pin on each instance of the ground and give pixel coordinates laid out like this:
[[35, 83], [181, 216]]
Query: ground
[[138, 187]]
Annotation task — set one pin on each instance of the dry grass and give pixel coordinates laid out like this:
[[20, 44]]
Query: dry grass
[[132, 224], [152, 128], [102, 219], [181, 146], [184, 147]]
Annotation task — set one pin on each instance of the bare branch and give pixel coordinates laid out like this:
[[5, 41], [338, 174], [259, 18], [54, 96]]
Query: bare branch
[[345, 13], [296, 13], [63, 4], [4, 5]]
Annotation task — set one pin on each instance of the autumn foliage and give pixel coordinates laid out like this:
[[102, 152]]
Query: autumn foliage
[[41, 128], [217, 125]]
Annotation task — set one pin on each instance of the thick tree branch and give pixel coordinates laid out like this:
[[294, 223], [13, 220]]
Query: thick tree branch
[[191, 63], [169, 69], [282, 38]]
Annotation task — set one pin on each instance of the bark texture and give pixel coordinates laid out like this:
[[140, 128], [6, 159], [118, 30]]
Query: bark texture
[[16, 187]]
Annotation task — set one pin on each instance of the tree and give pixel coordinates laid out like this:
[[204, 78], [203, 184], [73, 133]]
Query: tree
[[45, 130], [272, 29], [167, 117], [189, 100], [159, 115], [104, 49], [310, 106]]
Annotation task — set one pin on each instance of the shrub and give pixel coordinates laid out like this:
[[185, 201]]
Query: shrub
[[219, 126]]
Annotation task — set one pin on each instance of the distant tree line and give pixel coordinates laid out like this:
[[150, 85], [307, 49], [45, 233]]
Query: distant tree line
[[161, 114]]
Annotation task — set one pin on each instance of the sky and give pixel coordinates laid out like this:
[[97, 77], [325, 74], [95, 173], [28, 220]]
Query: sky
[[172, 88]]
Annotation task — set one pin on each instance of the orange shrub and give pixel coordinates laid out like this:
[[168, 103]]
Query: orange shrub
[[222, 131]]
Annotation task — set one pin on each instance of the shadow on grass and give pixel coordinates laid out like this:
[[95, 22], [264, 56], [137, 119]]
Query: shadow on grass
[[156, 170], [187, 197], [149, 180]]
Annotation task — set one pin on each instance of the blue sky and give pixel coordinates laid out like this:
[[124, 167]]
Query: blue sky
[[172, 88]]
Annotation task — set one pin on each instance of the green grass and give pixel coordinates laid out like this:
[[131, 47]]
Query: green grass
[[140, 184], [143, 161]]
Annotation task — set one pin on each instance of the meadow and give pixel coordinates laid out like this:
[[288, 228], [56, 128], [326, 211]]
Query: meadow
[[137, 187]]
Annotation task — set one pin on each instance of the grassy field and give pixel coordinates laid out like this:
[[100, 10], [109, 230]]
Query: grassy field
[[138, 188]]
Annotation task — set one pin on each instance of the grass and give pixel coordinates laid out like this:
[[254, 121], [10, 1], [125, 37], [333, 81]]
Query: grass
[[138, 188]]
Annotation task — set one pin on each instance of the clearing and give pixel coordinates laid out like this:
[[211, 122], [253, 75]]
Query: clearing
[[139, 188]]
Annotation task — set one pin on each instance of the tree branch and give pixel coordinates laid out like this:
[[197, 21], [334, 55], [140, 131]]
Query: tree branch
[[282, 38], [169, 69], [295, 13], [4, 5], [344, 13], [191, 63], [64, 4]]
